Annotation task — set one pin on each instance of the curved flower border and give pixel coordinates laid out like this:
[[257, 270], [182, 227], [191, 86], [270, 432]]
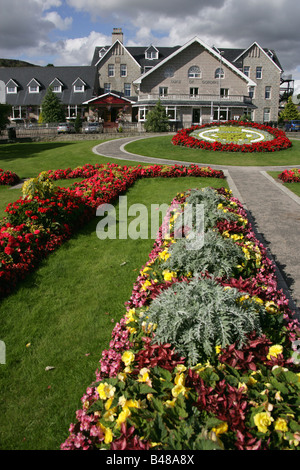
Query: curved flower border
[[34, 227], [280, 141]]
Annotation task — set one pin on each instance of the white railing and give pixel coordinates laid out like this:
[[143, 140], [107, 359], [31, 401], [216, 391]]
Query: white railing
[[191, 98]]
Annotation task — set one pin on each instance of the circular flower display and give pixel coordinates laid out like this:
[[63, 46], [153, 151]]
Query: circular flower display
[[233, 136]]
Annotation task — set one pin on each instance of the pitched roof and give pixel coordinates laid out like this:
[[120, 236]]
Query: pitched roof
[[45, 76]]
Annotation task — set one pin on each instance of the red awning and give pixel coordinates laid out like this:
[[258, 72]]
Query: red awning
[[109, 99]]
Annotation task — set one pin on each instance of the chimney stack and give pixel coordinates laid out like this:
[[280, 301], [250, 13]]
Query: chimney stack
[[117, 34]]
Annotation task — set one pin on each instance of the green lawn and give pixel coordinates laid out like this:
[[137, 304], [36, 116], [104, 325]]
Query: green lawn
[[294, 187], [162, 147], [62, 315]]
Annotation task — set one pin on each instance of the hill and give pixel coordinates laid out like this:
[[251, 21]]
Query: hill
[[14, 63]]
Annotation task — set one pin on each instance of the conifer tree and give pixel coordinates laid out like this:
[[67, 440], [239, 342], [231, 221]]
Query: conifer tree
[[290, 111], [157, 119], [52, 109]]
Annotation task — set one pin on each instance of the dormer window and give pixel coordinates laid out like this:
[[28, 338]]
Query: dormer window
[[11, 87], [79, 86], [151, 53], [56, 86], [34, 86], [102, 52]]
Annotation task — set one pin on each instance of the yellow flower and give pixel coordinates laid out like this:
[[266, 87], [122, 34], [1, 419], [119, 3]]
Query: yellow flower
[[271, 307], [106, 390], [262, 421], [274, 351], [108, 435], [221, 428], [281, 425], [130, 316], [144, 375], [170, 403], [178, 389], [164, 255], [218, 349], [128, 358], [168, 275], [146, 285]]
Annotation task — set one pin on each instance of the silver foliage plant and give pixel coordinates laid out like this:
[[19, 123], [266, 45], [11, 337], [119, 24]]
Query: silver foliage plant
[[197, 316]]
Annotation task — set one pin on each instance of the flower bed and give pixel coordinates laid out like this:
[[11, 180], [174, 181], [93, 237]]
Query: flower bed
[[37, 224], [8, 178], [277, 140], [290, 176], [203, 357]]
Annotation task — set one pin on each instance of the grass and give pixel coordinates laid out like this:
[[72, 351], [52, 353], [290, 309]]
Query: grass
[[294, 187], [162, 147], [62, 316]]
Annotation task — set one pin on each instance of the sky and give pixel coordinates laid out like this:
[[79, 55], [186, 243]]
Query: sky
[[66, 32]]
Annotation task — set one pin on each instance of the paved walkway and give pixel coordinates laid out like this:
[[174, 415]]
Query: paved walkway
[[273, 210]]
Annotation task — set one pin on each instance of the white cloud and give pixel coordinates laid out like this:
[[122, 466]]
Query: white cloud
[[78, 51], [58, 22]]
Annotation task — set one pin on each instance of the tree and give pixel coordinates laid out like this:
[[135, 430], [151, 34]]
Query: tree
[[157, 119], [290, 111], [4, 113], [52, 108]]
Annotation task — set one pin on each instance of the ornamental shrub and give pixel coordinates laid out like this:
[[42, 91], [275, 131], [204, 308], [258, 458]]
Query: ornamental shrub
[[198, 316], [218, 256]]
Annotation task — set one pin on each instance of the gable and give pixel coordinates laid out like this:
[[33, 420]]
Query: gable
[[182, 51], [255, 51]]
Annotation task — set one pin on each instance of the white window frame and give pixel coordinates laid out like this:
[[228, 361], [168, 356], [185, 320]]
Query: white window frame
[[194, 92], [171, 108], [268, 89], [78, 88], [219, 73], [57, 88], [267, 113], [11, 90], [224, 92], [111, 70], [34, 88], [163, 91], [123, 70], [143, 111], [127, 89], [246, 70], [194, 72], [259, 72]]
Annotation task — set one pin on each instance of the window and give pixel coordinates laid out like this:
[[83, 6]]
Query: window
[[127, 89], [57, 89], [111, 70], [163, 91], [171, 113], [266, 114], [251, 91], [219, 73], [258, 73], [194, 72], [34, 88], [247, 70], [194, 92], [11, 89], [268, 93], [224, 92], [78, 88], [143, 114], [107, 87], [123, 70]]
